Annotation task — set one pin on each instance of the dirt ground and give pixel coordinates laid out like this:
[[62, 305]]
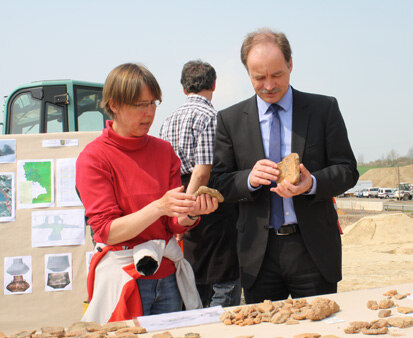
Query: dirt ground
[[377, 249]]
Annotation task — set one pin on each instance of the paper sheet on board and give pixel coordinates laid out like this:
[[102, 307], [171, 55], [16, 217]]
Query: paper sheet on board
[[66, 195], [181, 319]]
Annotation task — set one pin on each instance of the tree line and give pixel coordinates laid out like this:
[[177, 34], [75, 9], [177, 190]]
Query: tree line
[[391, 159]]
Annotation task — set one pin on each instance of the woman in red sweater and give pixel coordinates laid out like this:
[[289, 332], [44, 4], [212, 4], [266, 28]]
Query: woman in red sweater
[[129, 183]]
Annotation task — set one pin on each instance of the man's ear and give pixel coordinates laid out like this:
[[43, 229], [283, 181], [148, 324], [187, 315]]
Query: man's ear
[[213, 86], [185, 91]]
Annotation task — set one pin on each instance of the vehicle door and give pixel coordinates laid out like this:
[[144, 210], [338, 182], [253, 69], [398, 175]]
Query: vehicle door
[[37, 110]]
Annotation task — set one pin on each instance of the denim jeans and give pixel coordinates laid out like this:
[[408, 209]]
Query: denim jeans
[[159, 295], [224, 294]]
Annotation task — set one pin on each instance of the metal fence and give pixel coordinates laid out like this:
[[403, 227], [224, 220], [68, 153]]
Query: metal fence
[[398, 207]]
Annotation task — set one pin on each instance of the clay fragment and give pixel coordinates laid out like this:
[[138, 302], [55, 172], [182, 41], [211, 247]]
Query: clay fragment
[[351, 330], [22, 334], [372, 305], [280, 317], [378, 324], [257, 320], [329, 336], [76, 332], [382, 330], [89, 326], [192, 335], [405, 309], [299, 303], [289, 169], [114, 326], [226, 315], [265, 306], [356, 327], [401, 322], [249, 321], [95, 335], [399, 296], [384, 313], [237, 309], [134, 330], [166, 334], [390, 293], [266, 317], [322, 308], [299, 315], [212, 192], [54, 331], [386, 304], [307, 335], [292, 322]]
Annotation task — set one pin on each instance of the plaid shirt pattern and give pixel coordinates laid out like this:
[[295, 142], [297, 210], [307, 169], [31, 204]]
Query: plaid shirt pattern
[[191, 132]]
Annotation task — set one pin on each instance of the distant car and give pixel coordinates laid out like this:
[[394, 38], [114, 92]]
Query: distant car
[[365, 193], [373, 192], [359, 193], [385, 193]]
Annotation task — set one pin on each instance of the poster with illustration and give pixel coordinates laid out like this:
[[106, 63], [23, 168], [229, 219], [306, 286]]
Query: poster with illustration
[[58, 227], [58, 272], [35, 184], [8, 151], [17, 275], [7, 199]]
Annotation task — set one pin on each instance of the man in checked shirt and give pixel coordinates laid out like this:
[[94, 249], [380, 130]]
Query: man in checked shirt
[[211, 246]]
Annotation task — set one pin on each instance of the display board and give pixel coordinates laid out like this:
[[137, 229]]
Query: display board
[[44, 241]]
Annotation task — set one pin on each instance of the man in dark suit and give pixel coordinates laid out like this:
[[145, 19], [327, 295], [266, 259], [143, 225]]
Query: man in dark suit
[[288, 239]]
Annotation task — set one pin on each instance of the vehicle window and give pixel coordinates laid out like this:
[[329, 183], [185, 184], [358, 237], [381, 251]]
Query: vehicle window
[[25, 114], [89, 115], [54, 118]]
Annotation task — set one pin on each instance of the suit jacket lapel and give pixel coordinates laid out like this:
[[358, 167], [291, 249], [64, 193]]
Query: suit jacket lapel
[[300, 123], [254, 131]]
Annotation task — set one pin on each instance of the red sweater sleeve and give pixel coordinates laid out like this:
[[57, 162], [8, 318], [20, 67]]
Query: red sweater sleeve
[[175, 179], [95, 186]]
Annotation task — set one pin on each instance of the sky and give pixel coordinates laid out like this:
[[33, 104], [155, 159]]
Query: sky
[[359, 51]]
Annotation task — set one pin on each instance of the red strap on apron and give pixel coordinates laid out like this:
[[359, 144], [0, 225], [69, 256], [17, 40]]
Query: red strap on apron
[[129, 305]]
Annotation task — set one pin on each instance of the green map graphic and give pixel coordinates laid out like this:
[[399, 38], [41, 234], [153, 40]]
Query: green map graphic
[[40, 172]]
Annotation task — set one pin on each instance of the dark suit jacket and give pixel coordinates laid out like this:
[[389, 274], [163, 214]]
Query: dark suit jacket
[[319, 136]]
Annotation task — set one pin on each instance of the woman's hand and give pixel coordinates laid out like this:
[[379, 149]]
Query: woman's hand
[[176, 203]]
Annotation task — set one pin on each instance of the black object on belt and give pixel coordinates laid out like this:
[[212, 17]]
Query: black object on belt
[[285, 230]]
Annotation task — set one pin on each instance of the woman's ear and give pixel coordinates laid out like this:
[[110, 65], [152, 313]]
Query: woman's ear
[[114, 107]]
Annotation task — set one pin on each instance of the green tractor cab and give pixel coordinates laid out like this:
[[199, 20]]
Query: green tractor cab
[[53, 107]]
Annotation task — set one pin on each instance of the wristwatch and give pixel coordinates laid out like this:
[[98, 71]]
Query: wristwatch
[[193, 218]]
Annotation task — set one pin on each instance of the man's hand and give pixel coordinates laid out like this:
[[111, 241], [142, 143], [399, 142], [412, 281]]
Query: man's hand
[[263, 172], [205, 204], [286, 189]]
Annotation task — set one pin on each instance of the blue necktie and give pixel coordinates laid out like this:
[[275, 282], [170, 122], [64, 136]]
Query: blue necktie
[[277, 209]]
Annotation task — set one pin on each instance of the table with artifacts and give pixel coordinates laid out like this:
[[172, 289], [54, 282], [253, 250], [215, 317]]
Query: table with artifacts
[[386, 311]]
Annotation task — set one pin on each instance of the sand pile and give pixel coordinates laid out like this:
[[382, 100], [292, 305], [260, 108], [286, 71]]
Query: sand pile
[[377, 251], [380, 229], [388, 177]]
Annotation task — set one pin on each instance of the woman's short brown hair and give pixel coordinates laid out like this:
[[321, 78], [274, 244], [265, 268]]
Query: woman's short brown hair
[[265, 35], [125, 83]]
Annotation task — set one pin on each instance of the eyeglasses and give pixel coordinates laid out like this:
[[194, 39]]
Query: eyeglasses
[[145, 105]]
